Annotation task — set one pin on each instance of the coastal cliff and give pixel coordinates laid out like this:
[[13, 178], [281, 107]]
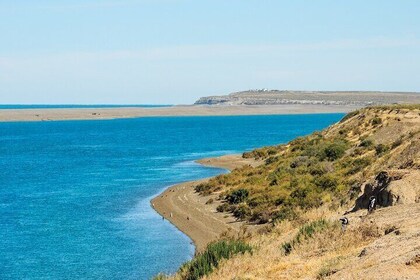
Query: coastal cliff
[[332, 98], [289, 205]]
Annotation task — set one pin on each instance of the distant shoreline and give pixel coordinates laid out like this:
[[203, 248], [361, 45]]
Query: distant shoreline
[[17, 115], [77, 106]]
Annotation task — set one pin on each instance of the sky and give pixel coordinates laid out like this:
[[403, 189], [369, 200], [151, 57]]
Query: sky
[[175, 51]]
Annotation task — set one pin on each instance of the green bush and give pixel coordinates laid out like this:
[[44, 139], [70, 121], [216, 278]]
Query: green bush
[[204, 263], [380, 149], [261, 217], [261, 153], [358, 165], [271, 160], [299, 193], [224, 207], [299, 161], [306, 232], [326, 182], [366, 143], [376, 121], [256, 201], [206, 188], [242, 211], [237, 196], [333, 151], [287, 248], [317, 169], [284, 213]]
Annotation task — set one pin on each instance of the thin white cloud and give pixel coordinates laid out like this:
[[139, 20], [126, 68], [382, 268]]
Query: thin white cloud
[[220, 50]]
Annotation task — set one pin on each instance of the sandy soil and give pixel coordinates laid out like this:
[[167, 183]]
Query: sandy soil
[[188, 211], [125, 112], [395, 255]]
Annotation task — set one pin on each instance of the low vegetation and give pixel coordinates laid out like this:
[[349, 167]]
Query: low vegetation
[[296, 191], [205, 262], [306, 232], [323, 168]]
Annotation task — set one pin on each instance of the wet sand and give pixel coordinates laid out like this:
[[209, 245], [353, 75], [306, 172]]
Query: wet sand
[[187, 110], [188, 211]]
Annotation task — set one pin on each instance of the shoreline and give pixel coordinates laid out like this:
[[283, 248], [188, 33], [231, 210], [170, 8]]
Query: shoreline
[[20, 115], [189, 212]]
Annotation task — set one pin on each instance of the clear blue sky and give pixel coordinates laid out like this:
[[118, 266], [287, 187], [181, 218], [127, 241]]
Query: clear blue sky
[[174, 51]]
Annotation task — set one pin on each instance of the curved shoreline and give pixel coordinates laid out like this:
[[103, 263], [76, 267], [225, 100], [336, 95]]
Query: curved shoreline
[[190, 213]]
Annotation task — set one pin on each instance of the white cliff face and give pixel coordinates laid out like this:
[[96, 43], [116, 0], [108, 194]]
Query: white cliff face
[[275, 97]]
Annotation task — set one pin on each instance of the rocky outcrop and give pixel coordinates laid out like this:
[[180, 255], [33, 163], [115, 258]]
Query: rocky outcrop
[[286, 97], [391, 187]]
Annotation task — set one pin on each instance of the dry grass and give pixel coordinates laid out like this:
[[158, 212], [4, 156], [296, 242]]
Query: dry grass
[[322, 249], [323, 253]]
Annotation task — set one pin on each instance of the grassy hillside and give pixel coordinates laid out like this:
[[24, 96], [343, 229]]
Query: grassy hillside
[[325, 168], [304, 186]]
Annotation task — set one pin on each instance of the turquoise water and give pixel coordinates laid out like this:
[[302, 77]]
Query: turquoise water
[[74, 196], [70, 106]]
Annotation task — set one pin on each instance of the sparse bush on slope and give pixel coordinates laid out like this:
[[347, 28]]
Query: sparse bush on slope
[[306, 232], [204, 263], [307, 172], [300, 182]]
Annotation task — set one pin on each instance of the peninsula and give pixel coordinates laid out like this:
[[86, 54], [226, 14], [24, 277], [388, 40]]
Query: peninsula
[[252, 102]]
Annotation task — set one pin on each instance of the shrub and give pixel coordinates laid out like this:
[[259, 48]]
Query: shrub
[[256, 201], [342, 132], [299, 193], [294, 183], [204, 263], [271, 160], [262, 217], [329, 268], [380, 149], [397, 142], [349, 116], [326, 182], [366, 143], [333, 151], [224, 207], [299, 161], [376, 121], [206, 188], [210, 201], [242, 211], [237, 196], [358, 165], [286, 247], [261, 153], [285, 213], [306, 232], [317, 169]]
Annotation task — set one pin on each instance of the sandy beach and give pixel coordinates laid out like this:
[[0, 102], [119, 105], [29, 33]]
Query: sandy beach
[[188, 211], [187, 110]]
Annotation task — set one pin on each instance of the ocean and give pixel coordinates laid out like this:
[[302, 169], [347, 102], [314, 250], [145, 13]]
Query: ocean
[[75, 195], [74, 106]]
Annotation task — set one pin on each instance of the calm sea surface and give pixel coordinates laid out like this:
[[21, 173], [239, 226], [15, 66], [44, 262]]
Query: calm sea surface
[[67, 106], [74, 195]]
